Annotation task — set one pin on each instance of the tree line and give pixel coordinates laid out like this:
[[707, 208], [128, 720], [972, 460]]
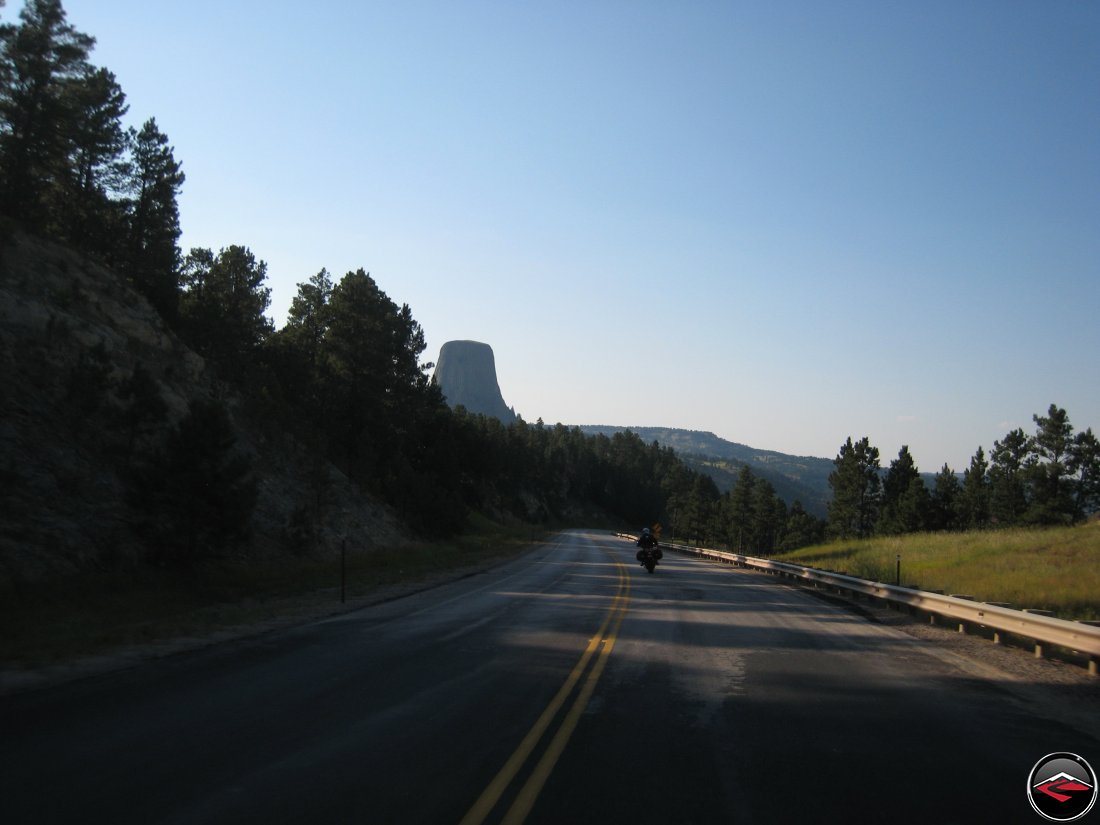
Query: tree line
[[70, 170], [1049, 478], [344, 374]]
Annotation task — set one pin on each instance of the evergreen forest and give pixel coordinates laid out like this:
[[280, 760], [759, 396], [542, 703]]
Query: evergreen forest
[[345, 374]]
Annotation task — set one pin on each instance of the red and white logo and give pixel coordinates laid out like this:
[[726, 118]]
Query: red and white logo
[[1062, 787]]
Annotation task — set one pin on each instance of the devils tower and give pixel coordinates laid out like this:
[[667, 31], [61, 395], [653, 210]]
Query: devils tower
[[467, 374]]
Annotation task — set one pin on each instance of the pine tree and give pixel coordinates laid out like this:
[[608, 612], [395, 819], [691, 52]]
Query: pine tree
[[739, 508], [296, 354], [45, 61], [197, 495], [974, 496], [223, 307], [1052, 499], [89, 217], [768, 515], [801, 529], [692, 496], [904, 497], [5, 64], [945, 500], [151, 258], [856, 486], [1007, 484], [375, 381], [308, 319], [1085, 464]]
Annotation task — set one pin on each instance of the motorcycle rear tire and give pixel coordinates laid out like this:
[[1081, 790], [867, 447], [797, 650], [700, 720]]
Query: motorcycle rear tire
[[650, 565]]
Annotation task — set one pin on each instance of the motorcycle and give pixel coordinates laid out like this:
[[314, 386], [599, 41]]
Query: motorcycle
[[649, 556]]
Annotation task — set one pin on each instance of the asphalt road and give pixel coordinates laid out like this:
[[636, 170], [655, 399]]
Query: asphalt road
[[567, 687]]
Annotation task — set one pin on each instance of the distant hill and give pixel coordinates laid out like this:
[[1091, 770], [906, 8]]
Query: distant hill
[[795, 478]]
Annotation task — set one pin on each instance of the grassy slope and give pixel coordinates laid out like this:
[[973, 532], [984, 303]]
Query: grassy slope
[[1054, 569], [94, 613]]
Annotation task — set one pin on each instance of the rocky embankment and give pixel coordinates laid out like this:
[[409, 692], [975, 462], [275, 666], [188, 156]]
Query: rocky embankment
[[73, 335]]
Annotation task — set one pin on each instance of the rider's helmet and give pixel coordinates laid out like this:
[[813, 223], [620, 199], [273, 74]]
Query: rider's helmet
[[645, 531]]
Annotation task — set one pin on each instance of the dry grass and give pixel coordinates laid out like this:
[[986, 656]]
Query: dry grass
[[95, 613], [1053, 568]]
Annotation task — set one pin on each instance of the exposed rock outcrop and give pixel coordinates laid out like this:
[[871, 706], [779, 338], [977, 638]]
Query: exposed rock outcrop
[[72, 334], [467, 374]]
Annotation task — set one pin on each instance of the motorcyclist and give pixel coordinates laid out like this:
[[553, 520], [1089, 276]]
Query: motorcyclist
[[648, 544]]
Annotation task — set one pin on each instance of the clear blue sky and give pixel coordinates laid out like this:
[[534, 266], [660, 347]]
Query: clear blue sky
[[783, 222]]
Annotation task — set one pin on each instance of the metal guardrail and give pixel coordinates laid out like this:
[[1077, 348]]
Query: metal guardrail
[[1075, 636]]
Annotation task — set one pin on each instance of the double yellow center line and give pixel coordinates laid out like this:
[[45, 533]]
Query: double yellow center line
[[527, 795]]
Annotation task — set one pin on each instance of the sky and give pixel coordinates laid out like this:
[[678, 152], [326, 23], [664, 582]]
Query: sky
[[786, 223]]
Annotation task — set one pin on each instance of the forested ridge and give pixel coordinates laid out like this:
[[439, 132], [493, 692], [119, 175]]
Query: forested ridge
[[190, 450], [1051, 477], [344, 376]]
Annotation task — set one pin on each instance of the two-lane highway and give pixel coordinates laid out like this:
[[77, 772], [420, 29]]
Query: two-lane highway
[[567, 686]]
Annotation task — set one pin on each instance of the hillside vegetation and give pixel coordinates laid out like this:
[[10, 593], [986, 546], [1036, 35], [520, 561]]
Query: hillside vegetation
[[804, 479], [1053, 568], [97, 393], [154, 420], [155, 416]]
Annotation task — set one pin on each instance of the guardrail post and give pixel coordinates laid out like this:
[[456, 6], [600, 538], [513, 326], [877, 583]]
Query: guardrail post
[[1092, 665], [1038, 650]]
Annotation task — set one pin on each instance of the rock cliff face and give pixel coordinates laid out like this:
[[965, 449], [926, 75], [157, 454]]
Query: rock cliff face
[[467, 374], [72, 335]]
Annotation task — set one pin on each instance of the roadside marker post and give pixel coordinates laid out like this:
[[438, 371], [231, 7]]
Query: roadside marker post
[[343, 570]]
